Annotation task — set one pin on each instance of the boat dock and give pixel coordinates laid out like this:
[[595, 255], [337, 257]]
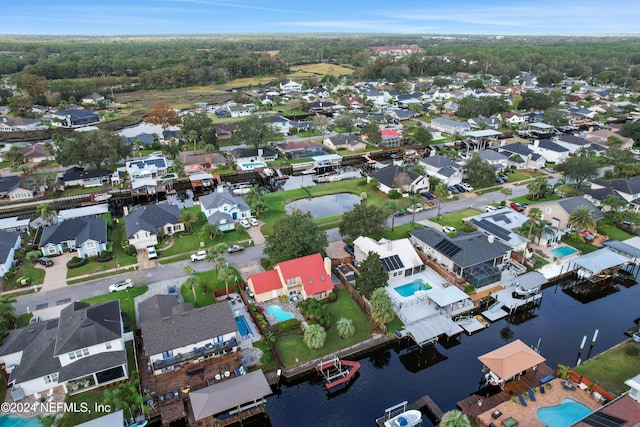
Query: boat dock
[[495, 312], [424, 402], [471, 324], [337, 372]]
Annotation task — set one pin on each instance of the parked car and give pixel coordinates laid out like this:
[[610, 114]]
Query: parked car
[[448, 229], [172, 290], [199, 256], [151, 252], [428, 195], [517, 207], [244, 223], [415, 208], [453, 189], [253, 221], [349, 249], [34, 319], [491, 208], [460, 188], [399, 213], [235, 248], [121, 285], [505, 178], [47, 262], [500, 180], [466, 187]]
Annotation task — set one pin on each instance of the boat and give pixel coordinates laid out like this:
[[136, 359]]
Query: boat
[[142, 423], [409, 418], [101, 197]]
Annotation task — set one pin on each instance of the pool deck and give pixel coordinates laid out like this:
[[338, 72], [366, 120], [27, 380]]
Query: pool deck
[[286, 306]]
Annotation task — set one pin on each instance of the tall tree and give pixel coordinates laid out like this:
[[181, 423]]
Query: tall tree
[[582, 218], [372, 131], [454, 418], [256, 201], [506, 192], [202, 125], [7, 315], [45, 211], [538, 188], [365, 219], [315, 336], [320, 123], [193, 282], [392, 208], [254, 131], [579, 168], [209, 232], [189, 217], [415, 200], [294, 236], [381, 306], [481, 173], [345, 328], [440, 191], [96, 147], [372, 275], [534, 215], [346, 121], [161, 114], [14, 155]]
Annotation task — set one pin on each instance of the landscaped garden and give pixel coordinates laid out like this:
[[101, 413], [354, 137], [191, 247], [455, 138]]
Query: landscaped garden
[[208, 283]]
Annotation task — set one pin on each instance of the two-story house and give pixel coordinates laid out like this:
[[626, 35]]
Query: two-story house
[[398, 257], [290, 86], [151, 167], [280, 124], [398, 178], [175, 334], [551, 151], [521, 156], [143, 224], [572, 143], [9, 242], [86, 235], [495, 159], [449, 126], [82, 350], [447, 171], [627, 189], [557, 212], [223, 210], [308, 277], [75, 118]]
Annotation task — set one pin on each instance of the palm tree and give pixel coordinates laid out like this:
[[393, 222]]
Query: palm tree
[[440, 192], [209, 232], [315, 336], [393, 207], [414, 199], [614, 202], [225, 275], [45, 211], [454, 418], [256, 201], [192, 136], [345, 328], [506, 191], [193, 282], [188, 270], [7, 314], [381, 306], [582, 218], [534, 215], [215, 257], [562, 182], [188, 218]]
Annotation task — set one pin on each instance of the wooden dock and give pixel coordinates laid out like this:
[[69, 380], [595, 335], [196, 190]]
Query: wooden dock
[[424, 402]]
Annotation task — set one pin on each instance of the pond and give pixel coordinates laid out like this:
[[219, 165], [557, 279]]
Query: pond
[[324, 206]]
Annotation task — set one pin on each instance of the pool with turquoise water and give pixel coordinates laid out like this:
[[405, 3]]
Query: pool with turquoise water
[[563, 251], [411, 288], [243, 327], [16, 421], [280, 314], [563, 415]]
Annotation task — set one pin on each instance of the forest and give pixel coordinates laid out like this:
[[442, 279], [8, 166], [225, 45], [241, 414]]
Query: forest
[[76, 66]]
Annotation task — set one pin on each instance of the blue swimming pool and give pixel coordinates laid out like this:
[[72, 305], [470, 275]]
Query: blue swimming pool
[[243, 327], [563, 251], [409, 289], [252, 165], [563, 415], [277, 312], [16, 421]]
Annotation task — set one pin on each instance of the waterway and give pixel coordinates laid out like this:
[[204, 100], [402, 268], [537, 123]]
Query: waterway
[[323, 206], [400, 372]]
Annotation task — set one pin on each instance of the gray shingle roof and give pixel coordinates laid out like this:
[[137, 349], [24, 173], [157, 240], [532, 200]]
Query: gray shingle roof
[[439, 161], [572, 139], [572, 203], [83, 325], [8, 183], [516, 149], [217, 199], [474, 248], [38, 355], [253, 152], [388, 175], [94, 363], [78, 229], [627, 186], [491, 155], [185, 326], [7, 242], [150, 218], [547, 144]]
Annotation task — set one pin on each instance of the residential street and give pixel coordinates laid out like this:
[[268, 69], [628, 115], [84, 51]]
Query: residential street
[[247, 261]]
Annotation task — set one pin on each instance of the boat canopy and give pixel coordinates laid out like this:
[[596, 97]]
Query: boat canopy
[[511, 359], [599, 260]]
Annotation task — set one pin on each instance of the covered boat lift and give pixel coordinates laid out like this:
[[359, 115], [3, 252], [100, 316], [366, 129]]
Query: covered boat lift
[[599, 265], [509, 362], [627, 247], [428, 329]]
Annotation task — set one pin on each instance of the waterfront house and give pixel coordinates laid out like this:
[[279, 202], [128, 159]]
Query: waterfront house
[[557, 212], [398, 257], [176, 334], [143, 224], [445, 170], [9, 242], [552, 152], [86, 178], [74, 118], [627, 189], [502, 224], [12, 189], [398, 178], [308, 276], [86, 235], [344, 141], [19, 124], [152, 167], [301, 149], [82, 350], [223, 210], [254, 155], [474, 256]]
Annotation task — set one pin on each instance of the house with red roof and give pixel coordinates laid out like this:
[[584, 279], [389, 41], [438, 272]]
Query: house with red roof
[[309, 276]]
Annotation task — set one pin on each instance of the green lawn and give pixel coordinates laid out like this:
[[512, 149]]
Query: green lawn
[[27, 269], [126, 301], [614, 232], [455, 219], [521, 176], [612, 368], [89, 398], [267, 361], [400, 231], [524, 199], [584, 247], [206, 298], [292, 347]]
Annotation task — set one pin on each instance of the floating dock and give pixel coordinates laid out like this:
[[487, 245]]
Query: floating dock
[[337, 372], [495, 312], [424, 402], [471, 324]]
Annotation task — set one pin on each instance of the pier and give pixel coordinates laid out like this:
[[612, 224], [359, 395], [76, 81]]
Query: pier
[[424, 402]]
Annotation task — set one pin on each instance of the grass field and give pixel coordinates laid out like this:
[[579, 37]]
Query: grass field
[[611, 368], [26, 269], [614, 232], [455, 219], [524, 199], [323, 69], [176, 98]]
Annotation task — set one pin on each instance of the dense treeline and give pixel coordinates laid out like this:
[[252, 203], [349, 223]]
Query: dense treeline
[[156, 63]]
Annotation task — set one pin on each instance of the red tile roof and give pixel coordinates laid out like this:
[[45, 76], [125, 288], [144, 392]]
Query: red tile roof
[[390, 132], [265, 282], [310, 269]]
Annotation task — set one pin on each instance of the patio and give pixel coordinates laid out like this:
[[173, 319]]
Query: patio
[[289, 306]]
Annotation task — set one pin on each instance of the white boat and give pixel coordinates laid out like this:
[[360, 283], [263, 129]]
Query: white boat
[[409, 418]]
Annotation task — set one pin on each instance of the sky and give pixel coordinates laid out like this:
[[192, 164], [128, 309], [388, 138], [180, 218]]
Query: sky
[[157, 17]]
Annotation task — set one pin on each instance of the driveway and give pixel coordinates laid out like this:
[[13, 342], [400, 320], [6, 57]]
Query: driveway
[[55, 277], [255, 234], [144, 262]]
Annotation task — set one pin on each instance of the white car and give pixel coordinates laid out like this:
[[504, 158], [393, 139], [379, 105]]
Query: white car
[[151, 252], [253, 221], [244, 223], [199, 256], [121, 285], [466, 187], [491, 208], [448, 229], [415, 208]]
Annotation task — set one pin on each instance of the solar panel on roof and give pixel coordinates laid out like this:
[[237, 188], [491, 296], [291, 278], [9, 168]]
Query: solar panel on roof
[[600, 419], [447, 248], [492, 228], [392, 263]]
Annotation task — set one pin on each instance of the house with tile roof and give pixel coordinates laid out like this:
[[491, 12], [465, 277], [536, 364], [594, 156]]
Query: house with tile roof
[[223, 209], [9, 242], [398, 257], [475, 257], [557, 212], [36, 153], [175, 333], [86, 235], [308, 276], [403, 180], [447, 171], [82, 350], [143, 224]]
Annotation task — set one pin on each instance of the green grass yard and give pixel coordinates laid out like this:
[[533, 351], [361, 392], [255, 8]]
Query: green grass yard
[[614, 232], [455, 219], [524, 199], [613, 367]]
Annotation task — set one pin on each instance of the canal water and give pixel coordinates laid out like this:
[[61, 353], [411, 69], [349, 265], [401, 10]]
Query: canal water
[[324, 206], [401, 372]]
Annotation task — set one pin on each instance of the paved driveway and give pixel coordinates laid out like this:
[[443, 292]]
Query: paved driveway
[[56, 276], [255, 234]]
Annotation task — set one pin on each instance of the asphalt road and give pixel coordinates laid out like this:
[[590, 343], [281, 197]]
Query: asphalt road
[[174, 270]]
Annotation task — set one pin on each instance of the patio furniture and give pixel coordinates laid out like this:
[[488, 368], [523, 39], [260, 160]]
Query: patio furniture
[[532, 395], [227, 374], [50, 392], [509, 422], [546, 379], [542, 389], [50, 399], [496, 414], [218, 377], [568, 385], [37, 396], [522, 401]]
